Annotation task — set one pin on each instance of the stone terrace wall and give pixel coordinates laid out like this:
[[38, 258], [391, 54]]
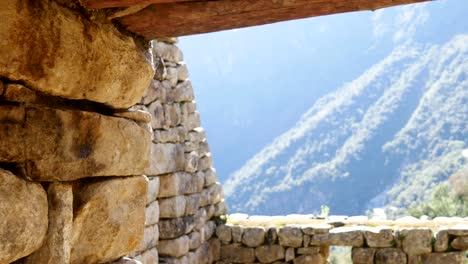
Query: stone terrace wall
[[302, 239], [184, 198]]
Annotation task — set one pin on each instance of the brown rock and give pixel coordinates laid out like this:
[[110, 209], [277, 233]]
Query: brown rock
[[290, 254], [237, 232], [415, 241], [308, 250], [460, 243], [23, 217], [175, 247], [57, 248], [310, 259], [223, 232], [442, 258], [290, 236], [390, 256], [269, 253], [363, 255], [235, 253], [441, 241], [195, 240], [107, 225], [38, 54], [88, 143], [379, 237], [341, 236], [138, 116], [253, 236]]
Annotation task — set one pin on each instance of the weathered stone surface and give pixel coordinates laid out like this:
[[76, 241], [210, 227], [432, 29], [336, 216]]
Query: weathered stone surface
[[220, 208], [439, 258], [237, 232], [182, 72], [123, 261], [156, 91], [138, 116], [88, 143], [308, 250], [192, 204], [150, 257], [290, 254], [167, 51], [175, 247], [150, 238], [23, 217], [180, 183], [379, 237], [214, 246], [172, 207], [56, 247], [235, 253], [165, 158], [43, 56], [390, 256], [441, 241], [183, 92], [269, 253], [191, 161], [223, 232], [209, 229], [310, 259], [317, 229], [195, 240], [290, 236], [172, 76], [363, 255], [107, 225], [460, 243], [253, 236], [153, 189], [341, 236], [415, 241], [152, 213], [176, 227]]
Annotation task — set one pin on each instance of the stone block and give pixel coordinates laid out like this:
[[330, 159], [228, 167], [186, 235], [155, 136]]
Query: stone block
[[390, 256], [269, 253], [442, 258], [150, 238], [57, 246], [441, 242], [153, 189], [310, 259], [460, 243], [253, 236], [38, 54], [172, 207], [363, 255], [107, 226], [165, 158], [289, 254], [175, 247], [152, 213], [235, 253], [192, 204], [290, 236], [167, 52], [379, 237], [176, 227], [24, 222], [195, 240], [89, 146], [341, 236], [223, 232], [415, 241]]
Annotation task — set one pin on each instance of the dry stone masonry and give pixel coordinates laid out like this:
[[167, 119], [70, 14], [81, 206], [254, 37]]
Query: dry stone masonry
[[103, 158]]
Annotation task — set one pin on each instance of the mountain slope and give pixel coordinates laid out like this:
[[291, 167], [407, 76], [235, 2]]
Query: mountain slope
[[389, 135]]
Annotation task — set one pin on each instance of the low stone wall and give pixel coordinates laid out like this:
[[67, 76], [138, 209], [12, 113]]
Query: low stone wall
[[307, 239], [184, 198]]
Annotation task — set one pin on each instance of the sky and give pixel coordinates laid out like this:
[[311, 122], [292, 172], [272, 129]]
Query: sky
[[254, 84]]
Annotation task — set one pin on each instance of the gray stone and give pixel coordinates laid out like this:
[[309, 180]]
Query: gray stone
[[183, 92], [152, 213], [415, 241], [253, 236], [150, 238], [195, 240], [174, 248], [156, 91], [191, 161], [120, 261], [223, 232], [390, 256], [182, 72], [341, 236], [235, 253], [220, 208], [167, 52], [172, 207], [209, 229], [60, 66], [363, 255], [107, 226], [23, 221], [290, 254], [165, 158], [176, 227], [269, 253], [56, 248], [290, 236], [150, 257], [237, 232], [192, 204], [153, 189]]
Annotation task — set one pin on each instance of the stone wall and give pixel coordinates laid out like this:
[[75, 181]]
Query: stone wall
[[307, 239], [184, 198]]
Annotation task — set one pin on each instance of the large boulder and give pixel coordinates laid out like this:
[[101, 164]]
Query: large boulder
[[58, 51], [23, 217], [110, 219], [64, 145]]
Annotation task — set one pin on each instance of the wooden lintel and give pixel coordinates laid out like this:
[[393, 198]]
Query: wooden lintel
[[188, 18]]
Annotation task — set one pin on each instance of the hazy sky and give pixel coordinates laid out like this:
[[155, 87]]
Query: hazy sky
[[254, 84]]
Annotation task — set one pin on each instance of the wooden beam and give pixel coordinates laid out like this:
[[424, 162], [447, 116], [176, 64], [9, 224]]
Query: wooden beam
[[187, 18], [100, 4]]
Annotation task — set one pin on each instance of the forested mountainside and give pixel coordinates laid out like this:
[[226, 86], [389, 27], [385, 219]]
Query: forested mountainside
[[385, 139]]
